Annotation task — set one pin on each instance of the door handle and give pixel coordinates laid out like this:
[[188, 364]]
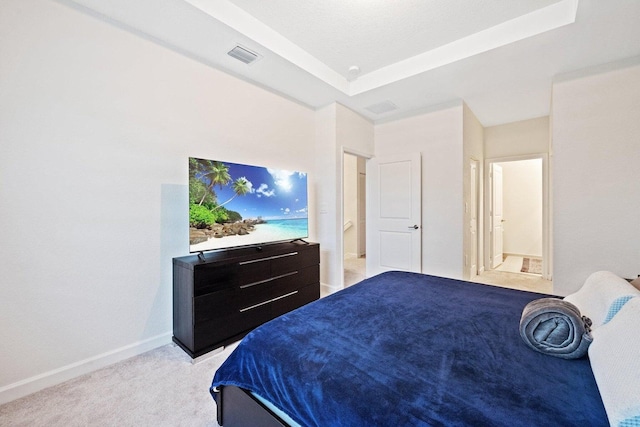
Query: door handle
[[415, 226]]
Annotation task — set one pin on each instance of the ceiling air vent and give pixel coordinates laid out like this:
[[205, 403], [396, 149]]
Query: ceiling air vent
[[243, 54], [382, 107]]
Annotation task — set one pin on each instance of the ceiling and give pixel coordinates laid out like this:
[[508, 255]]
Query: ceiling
[[498, 56]]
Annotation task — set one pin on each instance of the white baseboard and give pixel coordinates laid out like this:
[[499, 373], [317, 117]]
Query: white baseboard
[[328, 290], [522, 255], [56, 376]]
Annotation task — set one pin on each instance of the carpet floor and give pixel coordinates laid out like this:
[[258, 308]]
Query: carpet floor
[[158, 388], [354, 270]]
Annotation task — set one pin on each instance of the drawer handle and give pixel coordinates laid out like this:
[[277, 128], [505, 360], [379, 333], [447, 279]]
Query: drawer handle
[[268, 258], [270, 279], [242, 310]]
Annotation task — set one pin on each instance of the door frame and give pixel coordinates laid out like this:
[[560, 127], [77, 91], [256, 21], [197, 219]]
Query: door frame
[[497, 257], [547, 263], [361, 246], [340, 194], [474, 208]]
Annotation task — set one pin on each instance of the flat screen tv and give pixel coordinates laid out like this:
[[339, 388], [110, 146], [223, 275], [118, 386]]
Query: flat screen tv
[[233, 205]]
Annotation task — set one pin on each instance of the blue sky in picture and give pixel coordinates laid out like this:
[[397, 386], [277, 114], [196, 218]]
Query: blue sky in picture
[[274, 193]]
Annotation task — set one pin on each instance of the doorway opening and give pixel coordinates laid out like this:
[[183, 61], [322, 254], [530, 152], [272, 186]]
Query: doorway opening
[[354, 218], [516, 222]]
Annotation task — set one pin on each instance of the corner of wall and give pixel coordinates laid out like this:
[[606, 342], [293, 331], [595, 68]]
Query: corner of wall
[[473, 150]]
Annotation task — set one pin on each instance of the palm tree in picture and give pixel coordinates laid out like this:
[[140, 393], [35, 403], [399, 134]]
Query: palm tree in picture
[[217, 174], [241, 186]]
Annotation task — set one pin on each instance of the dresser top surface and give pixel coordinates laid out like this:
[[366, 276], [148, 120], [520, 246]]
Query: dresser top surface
[[241, 254]]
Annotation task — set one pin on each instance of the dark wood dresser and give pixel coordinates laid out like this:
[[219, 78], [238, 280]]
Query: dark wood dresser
[[218, 300]]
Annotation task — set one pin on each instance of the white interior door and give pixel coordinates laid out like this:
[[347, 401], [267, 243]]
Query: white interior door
[[473, 220], [394, 226], [497, 220]]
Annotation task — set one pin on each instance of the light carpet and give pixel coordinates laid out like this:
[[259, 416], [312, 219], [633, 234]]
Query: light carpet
[[158, 388], [354, 270]]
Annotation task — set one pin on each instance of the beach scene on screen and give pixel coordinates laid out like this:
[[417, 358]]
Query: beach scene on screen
[[233, 204]]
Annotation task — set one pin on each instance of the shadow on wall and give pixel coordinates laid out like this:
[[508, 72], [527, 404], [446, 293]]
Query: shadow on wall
[[174, 242]]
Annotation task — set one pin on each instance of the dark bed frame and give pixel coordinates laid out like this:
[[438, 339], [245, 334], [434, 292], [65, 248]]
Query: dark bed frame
[[237, 407]]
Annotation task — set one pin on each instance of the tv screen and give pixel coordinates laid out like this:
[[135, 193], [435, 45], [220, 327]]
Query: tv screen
[[232, 204]]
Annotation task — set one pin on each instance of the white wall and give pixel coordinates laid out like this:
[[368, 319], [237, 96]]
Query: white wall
[[517, 138], [438, 136], [596, 153], [522, 207], [97, 125], [327, 200], [339, 129]]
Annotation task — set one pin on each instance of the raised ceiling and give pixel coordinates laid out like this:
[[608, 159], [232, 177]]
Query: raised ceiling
[[498, 56], [376, 33]]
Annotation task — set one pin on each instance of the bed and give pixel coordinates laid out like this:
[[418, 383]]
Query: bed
[[404, 349]]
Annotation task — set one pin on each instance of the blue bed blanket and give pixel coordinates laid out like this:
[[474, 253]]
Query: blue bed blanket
[[405, 349]]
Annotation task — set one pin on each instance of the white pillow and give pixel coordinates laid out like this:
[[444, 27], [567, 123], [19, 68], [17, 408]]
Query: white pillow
[[615, 360], [602, 296]]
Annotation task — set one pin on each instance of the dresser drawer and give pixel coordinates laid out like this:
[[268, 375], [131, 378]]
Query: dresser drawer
[[216, 330], [303, 296], [212, 278], [302, 258], [215, 305], [263, 268], [252, 316], [253, 293]]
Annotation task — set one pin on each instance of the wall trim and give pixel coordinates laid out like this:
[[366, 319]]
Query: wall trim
[[328, 290], [56, 376], [521, 255]]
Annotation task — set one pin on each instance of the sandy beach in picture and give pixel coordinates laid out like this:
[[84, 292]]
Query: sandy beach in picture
[[261, 234]]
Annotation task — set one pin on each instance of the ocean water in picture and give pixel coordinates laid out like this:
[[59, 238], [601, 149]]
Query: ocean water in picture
[[285, 228]]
